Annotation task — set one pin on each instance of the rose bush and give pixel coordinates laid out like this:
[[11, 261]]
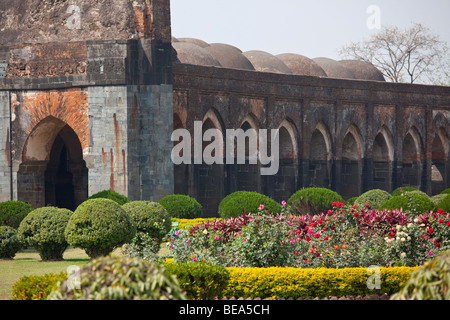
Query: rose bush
[[343, 237]]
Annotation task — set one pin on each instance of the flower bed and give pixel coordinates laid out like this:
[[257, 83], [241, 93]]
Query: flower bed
[[344, 237]]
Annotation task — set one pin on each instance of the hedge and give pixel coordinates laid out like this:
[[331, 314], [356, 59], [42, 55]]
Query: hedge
[[297, 283]]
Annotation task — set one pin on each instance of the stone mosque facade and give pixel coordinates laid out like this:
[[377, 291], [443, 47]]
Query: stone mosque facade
[[91, 104]]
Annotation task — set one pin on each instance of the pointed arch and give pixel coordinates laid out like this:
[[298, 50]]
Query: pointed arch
[[412, 159], [383, 156], [53, 171], [351, 163], [321, 145]]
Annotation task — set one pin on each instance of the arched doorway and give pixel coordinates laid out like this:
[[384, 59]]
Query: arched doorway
[[438, 162], [53, 172], [382, 161], [320, 156], [286, 180], [351, 164], [411, 163]]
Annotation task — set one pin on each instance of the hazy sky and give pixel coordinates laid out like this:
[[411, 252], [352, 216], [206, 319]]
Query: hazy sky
[[312, 28]]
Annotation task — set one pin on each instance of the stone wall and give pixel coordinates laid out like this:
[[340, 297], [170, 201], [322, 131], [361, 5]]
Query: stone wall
[[349, 136]]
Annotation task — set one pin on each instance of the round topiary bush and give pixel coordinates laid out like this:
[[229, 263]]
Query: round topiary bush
[[399, 191], [430, 282], [313, 200], [152, 222], [9, 242], [446, 191], [112, 195], [99, 226], [43, 229], [182, 206], [13, 212], [414, 203], [445, 204], [374, 198], [438, 198], [240, 202], [121, 278]]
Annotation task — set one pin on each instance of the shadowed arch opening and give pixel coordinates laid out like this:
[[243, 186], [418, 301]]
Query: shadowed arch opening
[[320, 157], [383, 154], [181, 171], [411, 159], [53, 172], [351, 164], [211, 173], [286, 180], [439, 161], [248, 176]]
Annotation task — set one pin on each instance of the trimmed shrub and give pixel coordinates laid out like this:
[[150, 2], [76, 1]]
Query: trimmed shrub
[[200, 280], [9, 242], [43, 229], [438, 198], [112, 195], [266, 283], [374, 198], [419, 193], [414, 203], [150, 218], [313, 200], [350, 202], [189, 223], [182, 206], [13, 212], [399, 191], [241, 202], [99, 226], [445, 204], [430, 282], [121, 278], [36, 287], [446, 191]]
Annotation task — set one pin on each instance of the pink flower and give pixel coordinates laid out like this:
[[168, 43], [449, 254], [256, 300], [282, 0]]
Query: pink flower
[[245, 240], [217, 237], [283, 203], [261, 207], [177, 233], [430, 253], [194, 259]]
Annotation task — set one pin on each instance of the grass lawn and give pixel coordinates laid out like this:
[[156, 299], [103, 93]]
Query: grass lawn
[[28, 262]]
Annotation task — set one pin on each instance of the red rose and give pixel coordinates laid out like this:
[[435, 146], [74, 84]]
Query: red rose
[[448, 223], [441, 221], [317, 235], [355, 214], [334, 204], [430, 230], [439, 210], [438, 245], [308, 239]]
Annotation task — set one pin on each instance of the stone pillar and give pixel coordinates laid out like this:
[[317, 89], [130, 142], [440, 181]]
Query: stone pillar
[[5, 147]]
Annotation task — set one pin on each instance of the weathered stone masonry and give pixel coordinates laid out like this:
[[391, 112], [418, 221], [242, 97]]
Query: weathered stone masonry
[[92, 106], [89, 109]]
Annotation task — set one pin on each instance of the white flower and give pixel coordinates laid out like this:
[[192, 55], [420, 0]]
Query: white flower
[[402, 239], [409, 238], [403, 254]]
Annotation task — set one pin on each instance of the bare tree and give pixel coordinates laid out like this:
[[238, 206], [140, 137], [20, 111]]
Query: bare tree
[[401, 55]]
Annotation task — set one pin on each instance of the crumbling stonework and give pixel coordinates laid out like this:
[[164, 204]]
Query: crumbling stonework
[[91, 91]]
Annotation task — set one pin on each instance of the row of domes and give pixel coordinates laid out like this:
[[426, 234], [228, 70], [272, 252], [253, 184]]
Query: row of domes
[[198, 52]]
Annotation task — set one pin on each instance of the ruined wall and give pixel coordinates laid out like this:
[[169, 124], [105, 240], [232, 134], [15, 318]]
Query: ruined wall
[[42, 21], [93, 78], [341, 134]]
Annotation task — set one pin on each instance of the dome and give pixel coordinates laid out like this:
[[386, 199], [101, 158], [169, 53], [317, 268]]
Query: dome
[[229, 56], [190, 53], [363, 70], [334, 69], [265, 62], [197, 42], [301, 65]]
